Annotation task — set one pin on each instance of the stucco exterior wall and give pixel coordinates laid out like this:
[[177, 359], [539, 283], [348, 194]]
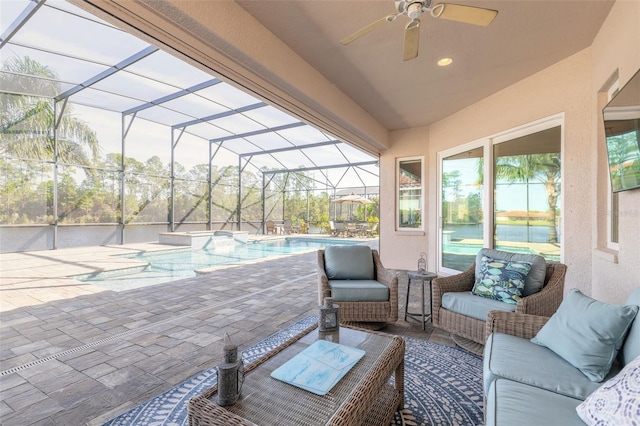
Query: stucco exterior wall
[[569, 88], [615, 48], [407, 143]]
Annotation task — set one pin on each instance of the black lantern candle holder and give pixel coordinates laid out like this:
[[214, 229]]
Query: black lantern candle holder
[[230, 374], [329, 316]]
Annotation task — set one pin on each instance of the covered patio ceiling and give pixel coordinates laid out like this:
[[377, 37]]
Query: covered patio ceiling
[[100, 66]]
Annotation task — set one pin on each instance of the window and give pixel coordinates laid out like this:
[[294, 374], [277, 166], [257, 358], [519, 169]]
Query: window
[[502, 192], [409, 202], [527, 193]]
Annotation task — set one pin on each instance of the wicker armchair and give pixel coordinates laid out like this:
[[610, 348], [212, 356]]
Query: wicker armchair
[[371, 315], [543, 303]]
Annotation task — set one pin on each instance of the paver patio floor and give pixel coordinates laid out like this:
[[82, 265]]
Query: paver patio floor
[[73, 353]]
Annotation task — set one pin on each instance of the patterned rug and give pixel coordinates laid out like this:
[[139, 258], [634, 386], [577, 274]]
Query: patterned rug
[[443, 386]]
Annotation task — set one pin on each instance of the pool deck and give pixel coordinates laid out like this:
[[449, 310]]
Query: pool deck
[[73, 353]]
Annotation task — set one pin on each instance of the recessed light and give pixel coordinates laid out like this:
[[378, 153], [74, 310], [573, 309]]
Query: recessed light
[[444, 62]]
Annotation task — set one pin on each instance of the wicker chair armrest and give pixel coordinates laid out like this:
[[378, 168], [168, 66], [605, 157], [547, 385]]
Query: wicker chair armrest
[[386, 277], [323, 280], [515, 324], [454, 283], [546, 301]]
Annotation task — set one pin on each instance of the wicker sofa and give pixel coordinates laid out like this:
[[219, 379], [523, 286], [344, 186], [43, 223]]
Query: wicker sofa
[[529, 384], [355, 278], [544, 303]]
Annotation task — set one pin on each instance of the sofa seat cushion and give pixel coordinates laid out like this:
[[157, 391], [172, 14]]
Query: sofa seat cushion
[[511, 403], [358, 291], [520, 360], [470, 305], [349, 263]]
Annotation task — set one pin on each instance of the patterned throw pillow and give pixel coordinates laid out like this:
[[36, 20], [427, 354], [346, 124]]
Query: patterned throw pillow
[[617, 402], [501, 280]]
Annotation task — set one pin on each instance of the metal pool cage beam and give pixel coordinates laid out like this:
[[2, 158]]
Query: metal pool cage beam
[[129, 116], [300, 148], [305, 169], [249, 155], [62, 99]]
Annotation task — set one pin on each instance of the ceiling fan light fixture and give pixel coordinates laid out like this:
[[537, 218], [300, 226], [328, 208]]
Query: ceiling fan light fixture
[[414, 10], [444, 62]]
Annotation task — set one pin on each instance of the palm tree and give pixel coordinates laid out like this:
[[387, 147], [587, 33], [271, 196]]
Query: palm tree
[[545, 168], [27, 119]]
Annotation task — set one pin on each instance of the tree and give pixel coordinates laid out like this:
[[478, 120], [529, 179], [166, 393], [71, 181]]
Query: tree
[[544, 168], [27, 120]]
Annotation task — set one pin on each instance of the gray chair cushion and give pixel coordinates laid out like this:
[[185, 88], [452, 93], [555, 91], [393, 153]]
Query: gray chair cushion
[[511, 403], [631, 348], [518, 359], [358, 291], [470, 305], [534, 281], [349, 263]]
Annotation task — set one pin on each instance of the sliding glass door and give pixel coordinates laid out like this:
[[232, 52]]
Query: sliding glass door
[[527, 194], [462, 208], [502, 193]]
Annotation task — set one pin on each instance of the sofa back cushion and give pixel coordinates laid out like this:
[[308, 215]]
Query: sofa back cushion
[[631, 348], [534, 281], [349, 263], [587, 333]]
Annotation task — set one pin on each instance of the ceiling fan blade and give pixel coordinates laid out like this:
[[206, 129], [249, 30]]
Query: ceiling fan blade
[[411, 40], [367, 29], [466, 14]]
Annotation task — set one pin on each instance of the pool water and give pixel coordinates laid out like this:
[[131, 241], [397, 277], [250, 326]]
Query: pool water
[[472, 250], [177, 264]]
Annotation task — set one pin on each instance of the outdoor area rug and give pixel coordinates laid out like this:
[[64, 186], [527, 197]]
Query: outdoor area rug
[[443, 386]]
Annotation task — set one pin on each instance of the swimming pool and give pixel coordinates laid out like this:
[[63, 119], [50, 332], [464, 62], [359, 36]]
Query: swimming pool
[[171, 265], [472, 250]]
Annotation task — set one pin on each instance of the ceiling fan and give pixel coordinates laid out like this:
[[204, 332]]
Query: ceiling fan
[[414, 8]]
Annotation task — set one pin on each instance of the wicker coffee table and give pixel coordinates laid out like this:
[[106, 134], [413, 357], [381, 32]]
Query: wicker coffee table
[[363, 396]]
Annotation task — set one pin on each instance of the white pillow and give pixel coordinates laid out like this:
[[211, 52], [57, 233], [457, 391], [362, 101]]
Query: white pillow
[[615, 403]]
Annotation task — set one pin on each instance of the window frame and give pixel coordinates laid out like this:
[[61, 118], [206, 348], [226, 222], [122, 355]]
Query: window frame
[[612, 197], [398, 227]]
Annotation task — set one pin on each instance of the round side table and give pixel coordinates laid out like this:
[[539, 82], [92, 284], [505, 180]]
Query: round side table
[[422, 277]]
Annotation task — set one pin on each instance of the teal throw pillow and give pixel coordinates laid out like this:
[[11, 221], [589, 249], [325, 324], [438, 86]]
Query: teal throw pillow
[[534, 282], [501, 280], [587, 333]]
